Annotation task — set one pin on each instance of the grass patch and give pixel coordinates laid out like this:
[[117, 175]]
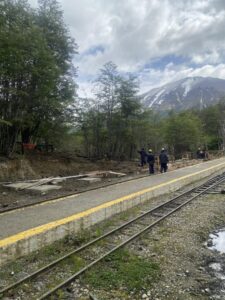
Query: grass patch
[[76, 263], [78, 238], [98, 232], [124, 269], [126, 215], [50, 250]]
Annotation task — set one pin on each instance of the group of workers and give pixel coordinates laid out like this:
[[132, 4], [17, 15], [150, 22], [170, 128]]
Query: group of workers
[[201, 154], [150, 159], [163, 159]]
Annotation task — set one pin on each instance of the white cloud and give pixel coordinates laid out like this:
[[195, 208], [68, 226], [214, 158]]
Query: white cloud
[[135, 32], [154, 77]]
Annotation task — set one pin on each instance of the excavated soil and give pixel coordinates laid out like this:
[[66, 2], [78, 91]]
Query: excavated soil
[[38, 166]]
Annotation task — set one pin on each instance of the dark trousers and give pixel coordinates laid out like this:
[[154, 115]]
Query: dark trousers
[[163, 167], [143, 162], [151, 169]]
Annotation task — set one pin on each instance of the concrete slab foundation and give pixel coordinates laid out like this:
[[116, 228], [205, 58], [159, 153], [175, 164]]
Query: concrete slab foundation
[[29, 229], [17, 186], [40, 189], [90, 179], [105, 174], [45, 188]]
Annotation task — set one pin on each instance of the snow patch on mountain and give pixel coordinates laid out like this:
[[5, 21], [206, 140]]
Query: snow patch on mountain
[[191, 92], [187, 85], [157, 97]]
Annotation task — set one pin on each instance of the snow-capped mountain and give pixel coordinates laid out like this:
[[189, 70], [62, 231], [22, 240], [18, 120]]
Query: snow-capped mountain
[[191, 92]]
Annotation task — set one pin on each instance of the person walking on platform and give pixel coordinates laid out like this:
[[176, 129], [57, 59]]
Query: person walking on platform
[[163, 158], [143, 155], [198, 153], [151, 161]]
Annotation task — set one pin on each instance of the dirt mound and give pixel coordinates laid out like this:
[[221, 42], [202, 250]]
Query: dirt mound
[[16, 169], [57, 164]]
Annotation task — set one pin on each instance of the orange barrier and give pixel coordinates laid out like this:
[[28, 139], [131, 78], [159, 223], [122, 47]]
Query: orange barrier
[[29, 146]]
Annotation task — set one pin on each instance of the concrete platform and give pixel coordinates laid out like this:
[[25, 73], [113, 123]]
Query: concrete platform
[[31, 228]]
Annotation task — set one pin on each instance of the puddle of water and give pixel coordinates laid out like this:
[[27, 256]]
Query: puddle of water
[[218, 241]]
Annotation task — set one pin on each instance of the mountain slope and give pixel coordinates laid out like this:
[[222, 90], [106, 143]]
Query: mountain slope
[[191, 92]]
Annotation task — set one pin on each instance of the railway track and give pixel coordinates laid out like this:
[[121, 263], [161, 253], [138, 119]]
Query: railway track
[[13, 208], [91, 253]]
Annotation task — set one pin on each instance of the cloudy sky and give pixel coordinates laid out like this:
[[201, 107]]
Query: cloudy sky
[[158, 40]]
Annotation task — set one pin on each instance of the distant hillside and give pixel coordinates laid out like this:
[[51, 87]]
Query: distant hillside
[[191, 92]]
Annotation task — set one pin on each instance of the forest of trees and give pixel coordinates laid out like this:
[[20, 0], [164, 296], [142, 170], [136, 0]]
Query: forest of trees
[[38, 100], [36, 72]]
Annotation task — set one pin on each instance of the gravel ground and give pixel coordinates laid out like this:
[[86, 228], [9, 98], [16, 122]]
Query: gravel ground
[[179, 244]]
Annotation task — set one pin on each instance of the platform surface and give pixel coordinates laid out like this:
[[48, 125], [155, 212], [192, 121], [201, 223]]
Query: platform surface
[[15, 222]]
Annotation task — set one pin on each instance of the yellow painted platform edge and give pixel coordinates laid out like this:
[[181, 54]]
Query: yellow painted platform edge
[[43, 228]]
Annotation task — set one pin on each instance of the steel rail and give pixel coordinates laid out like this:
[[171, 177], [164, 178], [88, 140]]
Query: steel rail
[[83, 270], [92, 242], [92, 297]]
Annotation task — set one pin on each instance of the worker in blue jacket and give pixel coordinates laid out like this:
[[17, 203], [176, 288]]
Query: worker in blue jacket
[[163, 159], [143, 155], [151, 161]]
